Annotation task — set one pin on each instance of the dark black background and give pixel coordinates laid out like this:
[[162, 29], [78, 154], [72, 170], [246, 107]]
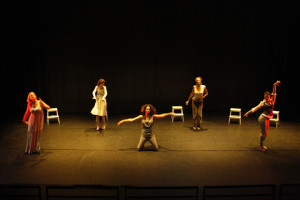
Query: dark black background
[[149, 52]]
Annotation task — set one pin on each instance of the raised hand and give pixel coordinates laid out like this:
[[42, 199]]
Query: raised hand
[[41, 101], [277, 82]]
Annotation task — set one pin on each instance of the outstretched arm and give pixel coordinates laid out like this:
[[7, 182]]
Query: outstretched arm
[[247, 113], [130, 120], [163, 115], [191, 95], [254, 109]]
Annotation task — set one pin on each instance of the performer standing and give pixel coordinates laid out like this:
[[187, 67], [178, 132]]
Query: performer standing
[[199, 92], [264, 119], [35, 123], [100, 107], [147, 115]]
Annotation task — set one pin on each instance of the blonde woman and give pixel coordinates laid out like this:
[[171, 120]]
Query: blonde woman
[[35, 122], [199, 92], [100, 107]]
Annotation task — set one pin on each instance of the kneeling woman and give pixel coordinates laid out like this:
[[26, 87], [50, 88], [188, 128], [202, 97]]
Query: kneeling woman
[[147, 115]]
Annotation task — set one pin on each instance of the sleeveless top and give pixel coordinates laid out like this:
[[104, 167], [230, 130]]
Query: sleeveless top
[[38, 108], [36, 118], [198, 93], [147, 125], [267, 109]]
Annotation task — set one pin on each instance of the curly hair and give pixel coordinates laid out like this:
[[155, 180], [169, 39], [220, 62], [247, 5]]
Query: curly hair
[[100, 81], [152, 109]]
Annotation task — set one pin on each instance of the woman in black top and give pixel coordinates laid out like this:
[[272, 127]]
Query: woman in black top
[[264, 119], [147, 115]]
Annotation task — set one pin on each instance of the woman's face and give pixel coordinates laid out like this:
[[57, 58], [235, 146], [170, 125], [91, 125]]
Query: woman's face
[[267, 97], [198, 81], [102, 84], [32, 96], [148, 110]]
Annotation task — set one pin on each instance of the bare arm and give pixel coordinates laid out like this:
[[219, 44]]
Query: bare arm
[[163, 115], [274, 91], [130, 120], [27, 113], [247, 113], [205, 93], [44, 105], [254, 109], [191, 95]]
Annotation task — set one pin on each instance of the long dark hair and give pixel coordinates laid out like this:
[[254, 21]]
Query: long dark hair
[[152, 109]]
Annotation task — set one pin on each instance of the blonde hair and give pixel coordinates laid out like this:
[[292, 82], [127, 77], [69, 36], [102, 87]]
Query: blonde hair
[[29, 101]]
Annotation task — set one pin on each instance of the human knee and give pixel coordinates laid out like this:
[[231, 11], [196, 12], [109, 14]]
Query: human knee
[[139, 147], [155, 147]]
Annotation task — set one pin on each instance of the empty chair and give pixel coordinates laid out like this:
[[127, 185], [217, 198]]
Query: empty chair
[[235, 113], [178, 114], [275, 118], [54, 116]]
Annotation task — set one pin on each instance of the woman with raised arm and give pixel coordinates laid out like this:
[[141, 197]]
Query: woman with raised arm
[[148, 112], [199, 92], [35, 123], [100, 107], [264, 119]]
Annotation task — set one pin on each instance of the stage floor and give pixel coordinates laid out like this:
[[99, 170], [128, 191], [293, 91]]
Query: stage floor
[[73, 152]]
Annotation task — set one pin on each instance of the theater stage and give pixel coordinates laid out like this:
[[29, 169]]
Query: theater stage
[[73, 152]]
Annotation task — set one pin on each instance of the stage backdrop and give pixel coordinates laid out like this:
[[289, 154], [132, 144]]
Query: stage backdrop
[[149, 52]]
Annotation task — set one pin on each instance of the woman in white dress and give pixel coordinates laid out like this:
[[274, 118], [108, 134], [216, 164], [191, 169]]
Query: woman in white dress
[[100, 108], [35, 123], [197, 95]]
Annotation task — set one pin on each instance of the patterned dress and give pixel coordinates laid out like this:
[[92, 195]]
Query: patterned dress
[[100, 107], [35, 126]]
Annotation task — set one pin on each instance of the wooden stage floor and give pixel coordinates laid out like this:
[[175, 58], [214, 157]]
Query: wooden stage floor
[[73, 152]]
